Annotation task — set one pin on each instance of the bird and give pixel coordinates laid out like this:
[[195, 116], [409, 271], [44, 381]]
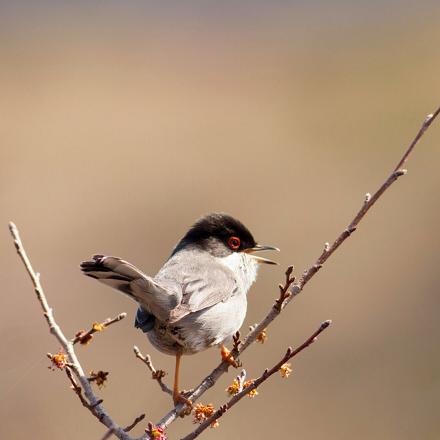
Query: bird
[[198, 299]]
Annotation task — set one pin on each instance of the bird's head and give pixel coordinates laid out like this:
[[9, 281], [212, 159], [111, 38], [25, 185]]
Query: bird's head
[[222, 235]]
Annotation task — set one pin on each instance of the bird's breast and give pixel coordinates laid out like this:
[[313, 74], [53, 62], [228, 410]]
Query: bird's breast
[[244, 268]]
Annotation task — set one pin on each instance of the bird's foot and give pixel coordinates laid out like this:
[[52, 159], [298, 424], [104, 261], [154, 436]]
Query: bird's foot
[[227, 357], [179, 398]]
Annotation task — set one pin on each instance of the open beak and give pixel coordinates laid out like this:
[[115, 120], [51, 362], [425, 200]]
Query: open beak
[[260, 247]]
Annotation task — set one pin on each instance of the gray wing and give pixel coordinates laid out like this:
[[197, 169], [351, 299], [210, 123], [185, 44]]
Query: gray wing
[[202, 289], [128, 279]]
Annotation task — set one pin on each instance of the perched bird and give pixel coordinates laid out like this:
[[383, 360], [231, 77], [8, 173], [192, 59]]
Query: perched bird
[[198, 298]]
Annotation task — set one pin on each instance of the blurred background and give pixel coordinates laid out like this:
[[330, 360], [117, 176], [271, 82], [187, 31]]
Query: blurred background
[[123, 122]]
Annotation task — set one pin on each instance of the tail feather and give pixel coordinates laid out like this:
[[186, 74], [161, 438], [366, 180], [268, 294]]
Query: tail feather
[[128, 279]]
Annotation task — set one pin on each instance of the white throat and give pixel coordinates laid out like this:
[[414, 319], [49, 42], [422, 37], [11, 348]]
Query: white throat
[[244, 268]]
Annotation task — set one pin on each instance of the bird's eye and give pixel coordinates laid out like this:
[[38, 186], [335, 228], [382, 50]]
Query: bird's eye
[[234, 243]]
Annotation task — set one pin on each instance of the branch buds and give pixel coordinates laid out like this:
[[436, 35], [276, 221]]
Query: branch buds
[[100, 378], [262, 336], [234, 388], [203, 412], [285, 370], [156, 432], [236, 341], [59, 360]]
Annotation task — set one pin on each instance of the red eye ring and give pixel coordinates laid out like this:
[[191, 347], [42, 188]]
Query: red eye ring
[[234, 243]]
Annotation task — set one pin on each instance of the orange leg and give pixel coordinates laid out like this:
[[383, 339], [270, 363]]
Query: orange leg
[[177, 396]]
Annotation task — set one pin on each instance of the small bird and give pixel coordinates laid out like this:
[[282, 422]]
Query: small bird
[[198, 299]]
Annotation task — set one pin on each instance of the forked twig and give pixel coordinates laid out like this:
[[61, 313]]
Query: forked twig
[[128, 428], [78, 391], [157, 375], [85, 337], [89, 398]]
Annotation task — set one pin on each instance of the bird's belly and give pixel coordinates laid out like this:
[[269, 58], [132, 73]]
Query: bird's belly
[[200, 330]]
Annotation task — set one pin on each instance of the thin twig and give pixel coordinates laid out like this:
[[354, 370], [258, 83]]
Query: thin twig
[[157, 375], [236, 341], [128, 428], [134, 423], [290, 353], [284, 289], [93, 403], [85, 337], [78, 390], [369, 201], [210, 380]]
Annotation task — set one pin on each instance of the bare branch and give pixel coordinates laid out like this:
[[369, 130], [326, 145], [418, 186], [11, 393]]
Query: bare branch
[[89, 398], [428, 121], [157, 375], [78, 390], [290, 353], [85, 337], [369, 201], [137, 420], [284, 289], [328, 250], [128, 428]]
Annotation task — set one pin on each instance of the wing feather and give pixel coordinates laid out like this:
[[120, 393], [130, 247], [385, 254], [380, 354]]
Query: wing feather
[[202, 289]]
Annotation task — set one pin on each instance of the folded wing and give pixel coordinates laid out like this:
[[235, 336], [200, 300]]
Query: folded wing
[[204, 288]]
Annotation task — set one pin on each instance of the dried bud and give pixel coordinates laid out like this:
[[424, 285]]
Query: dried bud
[[234, 388], [285, 370], [262, 336], [100, 377], [215, 424], [156, 432], [202, 412], [59, 360], [83, 337], [158, 374], [253, 392], [98, 327]]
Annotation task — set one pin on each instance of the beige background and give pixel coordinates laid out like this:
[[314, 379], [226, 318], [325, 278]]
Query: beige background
[[121, 123]]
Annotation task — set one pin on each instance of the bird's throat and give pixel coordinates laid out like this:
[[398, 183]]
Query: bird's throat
[[244, 267]]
